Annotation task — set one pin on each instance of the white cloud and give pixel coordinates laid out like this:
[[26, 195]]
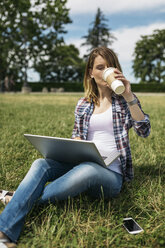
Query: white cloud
[[162, 10], [77, 42], [127, 38], [113, 6]]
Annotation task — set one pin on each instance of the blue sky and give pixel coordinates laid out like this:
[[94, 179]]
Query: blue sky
[[127, 19]]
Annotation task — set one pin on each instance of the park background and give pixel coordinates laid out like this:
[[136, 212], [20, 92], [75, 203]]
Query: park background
[[81, 222], [48, 41]]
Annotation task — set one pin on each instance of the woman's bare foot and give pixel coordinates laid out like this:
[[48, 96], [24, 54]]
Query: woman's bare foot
[[6, 241], [6, 196], [3, 236], [10, 245]]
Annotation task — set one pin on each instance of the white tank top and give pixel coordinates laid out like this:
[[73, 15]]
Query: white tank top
[[100, 131]]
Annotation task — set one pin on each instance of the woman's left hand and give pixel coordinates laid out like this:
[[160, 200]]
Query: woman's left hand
[[127, 94]]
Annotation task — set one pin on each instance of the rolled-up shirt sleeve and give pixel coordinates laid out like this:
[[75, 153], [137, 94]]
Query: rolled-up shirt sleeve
[[76, 128], [143, 127], [75, 132]]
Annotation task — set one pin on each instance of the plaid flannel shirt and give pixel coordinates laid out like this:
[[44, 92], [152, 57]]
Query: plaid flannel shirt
[[122, 122]]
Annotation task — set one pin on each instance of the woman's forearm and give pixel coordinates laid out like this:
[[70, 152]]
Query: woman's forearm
[[135, 110], [136, 113]]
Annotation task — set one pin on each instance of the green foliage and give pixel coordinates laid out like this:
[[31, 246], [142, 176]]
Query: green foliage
[[149, 57], [29, 30], [84, 222], [99, 34], [68, 86], [78, 87], [62, 64], [151, 87]]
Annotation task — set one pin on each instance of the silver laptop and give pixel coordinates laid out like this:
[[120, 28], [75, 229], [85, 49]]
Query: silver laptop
[[71, 151]]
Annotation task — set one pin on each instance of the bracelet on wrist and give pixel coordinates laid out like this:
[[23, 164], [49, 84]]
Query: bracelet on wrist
[[133, 102]]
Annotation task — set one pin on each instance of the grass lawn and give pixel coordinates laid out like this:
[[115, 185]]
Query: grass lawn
[[83, 222]]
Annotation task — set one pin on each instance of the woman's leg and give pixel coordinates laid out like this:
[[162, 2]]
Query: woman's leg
[[70, 181], [28, 192], [87, 176]]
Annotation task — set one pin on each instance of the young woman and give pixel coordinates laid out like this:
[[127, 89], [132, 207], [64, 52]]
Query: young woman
[[100, 116]]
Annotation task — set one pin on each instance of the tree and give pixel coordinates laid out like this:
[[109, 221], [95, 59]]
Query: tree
[[149, 58], [62, 65], [29, 30], [99, 34]]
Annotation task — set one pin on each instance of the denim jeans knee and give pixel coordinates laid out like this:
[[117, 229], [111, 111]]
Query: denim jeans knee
[[40, 164]]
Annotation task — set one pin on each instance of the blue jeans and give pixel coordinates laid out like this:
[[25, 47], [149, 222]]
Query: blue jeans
[[65, 181]]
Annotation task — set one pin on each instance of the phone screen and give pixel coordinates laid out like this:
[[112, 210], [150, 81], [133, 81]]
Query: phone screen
[[131, 225]]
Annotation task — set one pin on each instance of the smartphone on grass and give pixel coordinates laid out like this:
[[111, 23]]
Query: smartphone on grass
[[131, 226]]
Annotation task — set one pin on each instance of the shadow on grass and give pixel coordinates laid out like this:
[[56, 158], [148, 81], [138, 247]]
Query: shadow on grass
[[152, 171]]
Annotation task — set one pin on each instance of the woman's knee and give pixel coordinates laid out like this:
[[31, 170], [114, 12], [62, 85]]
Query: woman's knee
[[87, 169], [40, 163]]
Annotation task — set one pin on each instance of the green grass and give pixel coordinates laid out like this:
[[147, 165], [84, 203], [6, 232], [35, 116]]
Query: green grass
[[82, 222]]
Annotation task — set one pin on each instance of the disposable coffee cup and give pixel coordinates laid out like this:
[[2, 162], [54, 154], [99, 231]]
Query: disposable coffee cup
[[116, 85]]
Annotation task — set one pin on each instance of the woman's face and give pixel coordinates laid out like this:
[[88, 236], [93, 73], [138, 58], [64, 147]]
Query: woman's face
[[98, 67]]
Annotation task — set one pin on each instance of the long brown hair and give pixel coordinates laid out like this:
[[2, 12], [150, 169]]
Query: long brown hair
[[90, 86]]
